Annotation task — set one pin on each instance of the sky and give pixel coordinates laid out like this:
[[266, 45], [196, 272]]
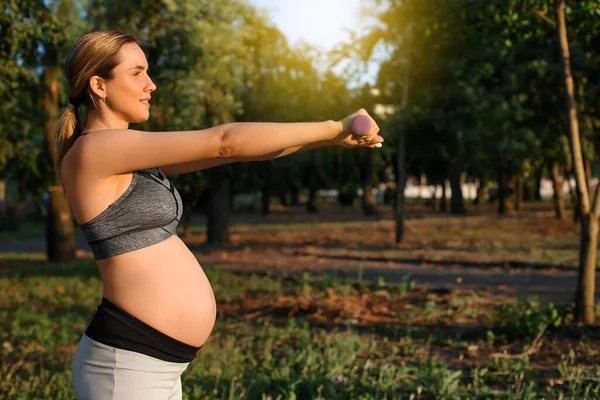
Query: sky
[[318, 22], [322, 23]]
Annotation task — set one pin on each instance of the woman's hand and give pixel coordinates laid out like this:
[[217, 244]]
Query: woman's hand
[[347, 138]]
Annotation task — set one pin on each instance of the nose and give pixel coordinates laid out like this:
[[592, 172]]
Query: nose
[[150, 87]]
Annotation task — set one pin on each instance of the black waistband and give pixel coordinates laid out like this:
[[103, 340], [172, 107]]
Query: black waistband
[[115, 327]]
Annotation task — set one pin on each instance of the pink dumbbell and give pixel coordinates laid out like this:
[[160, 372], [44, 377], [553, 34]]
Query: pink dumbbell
[[361, 125]]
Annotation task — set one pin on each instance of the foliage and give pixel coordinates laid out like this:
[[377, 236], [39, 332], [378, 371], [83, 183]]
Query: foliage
[[30, 31], [485, 82]]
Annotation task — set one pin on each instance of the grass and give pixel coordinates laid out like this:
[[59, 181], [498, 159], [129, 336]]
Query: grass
[[27, 229], [316, 338], [303, 337]]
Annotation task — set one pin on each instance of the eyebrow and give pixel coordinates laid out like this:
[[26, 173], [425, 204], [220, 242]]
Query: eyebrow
[[138, 67]]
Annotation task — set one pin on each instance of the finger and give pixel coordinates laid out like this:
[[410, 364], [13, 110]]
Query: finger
[[362, 139], [374, 131], [377, 141], [372, 138]]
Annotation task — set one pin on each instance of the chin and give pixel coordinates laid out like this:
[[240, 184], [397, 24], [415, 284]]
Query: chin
[[140, 118]]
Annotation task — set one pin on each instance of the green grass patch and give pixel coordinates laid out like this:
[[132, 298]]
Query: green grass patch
[[27, 230], [437, 344]]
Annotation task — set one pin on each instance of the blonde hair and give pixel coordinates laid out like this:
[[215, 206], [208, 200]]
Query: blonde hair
[[94, 54]]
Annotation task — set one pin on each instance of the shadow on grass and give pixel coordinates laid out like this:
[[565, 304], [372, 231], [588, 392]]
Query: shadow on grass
[[500, 331], [557, 288], [509, 264], [53, 311], [75, 310], [22, 268], [561, 246], [459, 263]]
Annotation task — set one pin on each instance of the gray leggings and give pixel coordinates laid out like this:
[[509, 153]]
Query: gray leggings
[[102, 372]]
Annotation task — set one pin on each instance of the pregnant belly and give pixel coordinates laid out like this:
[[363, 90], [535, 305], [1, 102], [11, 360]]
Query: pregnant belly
[[164, 286]]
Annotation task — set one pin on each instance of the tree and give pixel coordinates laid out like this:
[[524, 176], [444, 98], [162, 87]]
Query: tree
[[18, 80], [200, 56], [60, 229], [37, 33], [584, 295]]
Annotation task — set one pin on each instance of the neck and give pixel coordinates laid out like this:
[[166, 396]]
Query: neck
[[97, 121]]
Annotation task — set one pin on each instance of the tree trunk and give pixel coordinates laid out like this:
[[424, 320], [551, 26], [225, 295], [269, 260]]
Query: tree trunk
[[480, 192], [193, 194], [529, 190], [584, 294], [188, 211], [365, 166], [50, 104], [368, 201], [518, 185], [588, 174], [444, 198], [265, 200], [557, 185], [187, 227], [60, 230], [294, 196], [311, 205], [2, 204], [219, 205], [400, 187], [457, 203], [283, 197], [539, 173], [505, 203], [586, 279], [401, 150]]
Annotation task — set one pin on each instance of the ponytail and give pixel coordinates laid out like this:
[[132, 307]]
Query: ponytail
[[94, 54], [68, 129]]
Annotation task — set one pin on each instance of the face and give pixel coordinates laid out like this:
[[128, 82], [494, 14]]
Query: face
[[127, 95]]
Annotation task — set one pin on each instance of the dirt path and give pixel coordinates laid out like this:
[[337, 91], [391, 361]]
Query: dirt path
[[550, 284]]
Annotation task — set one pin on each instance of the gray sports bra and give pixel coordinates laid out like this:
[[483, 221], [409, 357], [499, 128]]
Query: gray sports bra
[[147, 213]]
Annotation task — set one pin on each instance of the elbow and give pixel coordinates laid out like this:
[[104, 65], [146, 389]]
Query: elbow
[[225, 141]]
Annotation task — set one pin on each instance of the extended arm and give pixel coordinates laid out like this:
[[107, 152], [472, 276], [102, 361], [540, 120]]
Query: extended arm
[[192, 166], [116, 151], [341, 138], [260, 139]]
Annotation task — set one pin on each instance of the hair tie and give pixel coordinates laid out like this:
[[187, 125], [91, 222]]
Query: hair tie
[[74, 102]]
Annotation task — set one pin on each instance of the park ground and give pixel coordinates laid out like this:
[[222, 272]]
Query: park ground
[[326, 305]]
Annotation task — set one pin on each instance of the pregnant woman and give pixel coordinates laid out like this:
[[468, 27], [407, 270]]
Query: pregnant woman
[[157, 307]]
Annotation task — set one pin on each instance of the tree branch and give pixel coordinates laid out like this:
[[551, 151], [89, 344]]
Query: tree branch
[[535, 346], [596, 208], [542, 15]]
